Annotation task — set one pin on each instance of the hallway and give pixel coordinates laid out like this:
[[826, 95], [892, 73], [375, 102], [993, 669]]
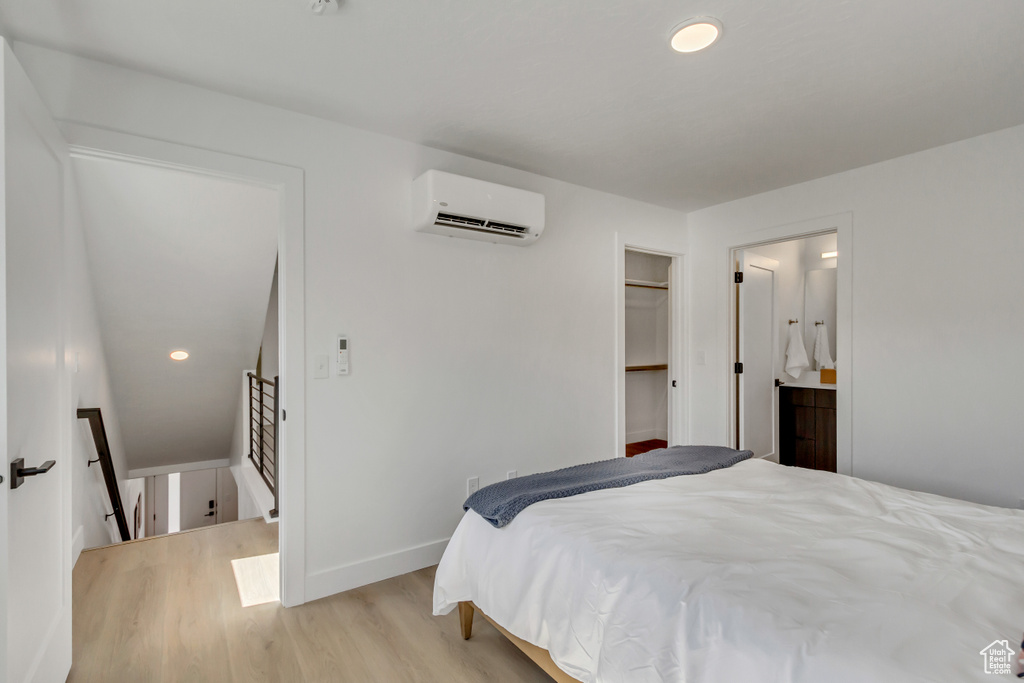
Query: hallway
[[167, 609]]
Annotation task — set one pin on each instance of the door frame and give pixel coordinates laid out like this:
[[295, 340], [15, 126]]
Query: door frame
[[288, 181], [743, 261], [678, 406], [842, 225]]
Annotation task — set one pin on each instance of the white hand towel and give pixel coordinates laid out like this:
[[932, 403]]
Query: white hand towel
[[796, 354], [822, 357]]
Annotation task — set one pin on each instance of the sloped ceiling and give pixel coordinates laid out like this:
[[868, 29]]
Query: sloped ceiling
[[588, 91], [178, 261]]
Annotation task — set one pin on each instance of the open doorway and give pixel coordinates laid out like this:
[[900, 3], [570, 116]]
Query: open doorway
[[182, 264], [650, 349], [283, 218], [784, 345]]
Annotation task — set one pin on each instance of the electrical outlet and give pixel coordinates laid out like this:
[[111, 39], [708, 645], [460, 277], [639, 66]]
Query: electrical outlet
[[1021, 505], [472, 485], [512, 474]]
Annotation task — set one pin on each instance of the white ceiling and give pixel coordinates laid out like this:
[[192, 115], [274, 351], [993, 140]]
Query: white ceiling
[[178, 261], [587, 90]]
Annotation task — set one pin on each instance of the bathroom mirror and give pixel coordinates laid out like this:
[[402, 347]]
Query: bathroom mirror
[[820, 305]]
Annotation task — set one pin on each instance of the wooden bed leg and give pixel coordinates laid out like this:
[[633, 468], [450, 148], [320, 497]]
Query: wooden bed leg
[[466, 619]]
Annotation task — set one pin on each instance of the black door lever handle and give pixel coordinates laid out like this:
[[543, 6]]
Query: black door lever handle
[[19, 471]]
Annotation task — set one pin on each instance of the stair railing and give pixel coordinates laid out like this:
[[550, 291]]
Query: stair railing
[[263, 421]]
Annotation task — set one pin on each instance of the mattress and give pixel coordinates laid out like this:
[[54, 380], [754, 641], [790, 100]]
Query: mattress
[[757, 572]]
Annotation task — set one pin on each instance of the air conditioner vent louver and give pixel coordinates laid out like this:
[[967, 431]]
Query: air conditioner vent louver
[[454, 206], [506, 227], [459, 221], [466, 223]]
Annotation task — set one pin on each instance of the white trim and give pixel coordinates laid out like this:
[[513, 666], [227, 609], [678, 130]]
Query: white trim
[[842, 225], [678, 400], [77, 544], [289, 182], [646, 435], [349, 576], [173, 469], [257, 490]]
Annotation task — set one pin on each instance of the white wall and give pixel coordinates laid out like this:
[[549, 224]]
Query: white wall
[[90, 388], [937, 312], [270, 344], [789, 296], [247, 506], [467, 358]]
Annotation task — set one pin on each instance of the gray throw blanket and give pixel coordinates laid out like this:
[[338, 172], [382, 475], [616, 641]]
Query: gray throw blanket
[[500, 503]]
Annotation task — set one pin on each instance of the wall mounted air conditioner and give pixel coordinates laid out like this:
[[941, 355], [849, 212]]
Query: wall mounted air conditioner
[[447, 204]]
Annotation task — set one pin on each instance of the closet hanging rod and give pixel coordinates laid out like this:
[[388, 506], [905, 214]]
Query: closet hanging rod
[[646, 284], [793, 322]]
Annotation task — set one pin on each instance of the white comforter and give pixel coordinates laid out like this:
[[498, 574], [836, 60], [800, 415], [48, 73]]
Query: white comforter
[[754, 573]]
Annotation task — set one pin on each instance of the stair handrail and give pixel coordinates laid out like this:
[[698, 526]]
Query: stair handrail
[[99, 435]]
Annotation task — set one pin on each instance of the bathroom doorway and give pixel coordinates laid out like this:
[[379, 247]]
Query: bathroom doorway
[[784, 347]]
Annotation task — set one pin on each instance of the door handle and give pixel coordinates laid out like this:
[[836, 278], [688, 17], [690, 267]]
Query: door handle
[[19, 471]]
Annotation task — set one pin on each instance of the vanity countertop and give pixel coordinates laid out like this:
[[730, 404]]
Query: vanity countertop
[[808, 380]]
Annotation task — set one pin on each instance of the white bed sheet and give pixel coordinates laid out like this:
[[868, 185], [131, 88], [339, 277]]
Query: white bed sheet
[[753, 573]]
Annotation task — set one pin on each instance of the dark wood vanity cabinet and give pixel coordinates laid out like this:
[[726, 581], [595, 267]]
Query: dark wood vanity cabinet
[[807, 428]]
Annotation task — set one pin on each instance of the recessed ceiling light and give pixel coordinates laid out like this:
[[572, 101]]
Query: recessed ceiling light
[[179, 355], [829, 254], [695, 34]]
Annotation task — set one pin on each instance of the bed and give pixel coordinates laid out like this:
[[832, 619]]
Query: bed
[[757, 572]]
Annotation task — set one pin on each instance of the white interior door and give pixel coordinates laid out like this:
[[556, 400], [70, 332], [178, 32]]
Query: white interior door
[[227, 496], [198, 499], [35, 540], [757, 396]]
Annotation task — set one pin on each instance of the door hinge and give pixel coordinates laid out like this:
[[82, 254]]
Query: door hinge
[[738, 368], [737, 277]]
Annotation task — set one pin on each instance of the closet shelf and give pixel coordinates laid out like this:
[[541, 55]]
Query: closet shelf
[[646, 284], [646, 368]]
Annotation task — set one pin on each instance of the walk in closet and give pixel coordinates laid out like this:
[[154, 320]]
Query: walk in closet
[[647, 319]]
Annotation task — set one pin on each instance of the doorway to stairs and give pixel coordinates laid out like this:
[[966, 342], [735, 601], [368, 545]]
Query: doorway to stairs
[[194, 256]]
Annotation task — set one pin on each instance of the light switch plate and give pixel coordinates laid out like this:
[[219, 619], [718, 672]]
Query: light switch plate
[[321, 366], [472, 485]]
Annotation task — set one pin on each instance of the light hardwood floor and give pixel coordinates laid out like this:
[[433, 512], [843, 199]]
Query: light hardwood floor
[[167, 609]]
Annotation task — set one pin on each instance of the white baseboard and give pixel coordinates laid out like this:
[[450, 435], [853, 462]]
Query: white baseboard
[[647, 435], [340, 579], [77, 544]]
